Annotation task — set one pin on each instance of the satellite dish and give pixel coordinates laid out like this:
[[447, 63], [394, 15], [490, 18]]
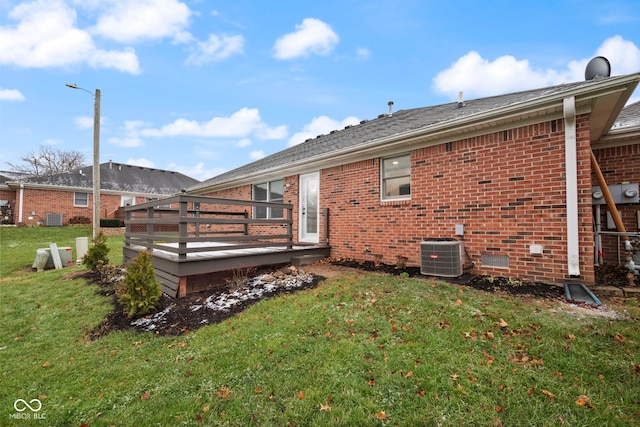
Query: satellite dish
[[597, 67]]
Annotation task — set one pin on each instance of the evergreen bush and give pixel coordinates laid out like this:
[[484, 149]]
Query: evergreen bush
[[98, 254], [141, 291]]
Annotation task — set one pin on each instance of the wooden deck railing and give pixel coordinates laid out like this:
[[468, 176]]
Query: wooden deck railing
[[187, 224]]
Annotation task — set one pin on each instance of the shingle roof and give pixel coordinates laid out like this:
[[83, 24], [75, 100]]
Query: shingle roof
[[629, 117], [400, 122], [121, 178]]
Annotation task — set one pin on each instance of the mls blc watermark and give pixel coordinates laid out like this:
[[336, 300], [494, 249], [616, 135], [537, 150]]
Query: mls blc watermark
[[27, 410]]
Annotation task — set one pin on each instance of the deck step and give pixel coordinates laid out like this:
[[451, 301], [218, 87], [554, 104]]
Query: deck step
[[298, 261]]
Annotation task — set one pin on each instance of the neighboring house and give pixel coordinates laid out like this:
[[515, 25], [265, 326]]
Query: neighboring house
[[509, 175], [56, 199]]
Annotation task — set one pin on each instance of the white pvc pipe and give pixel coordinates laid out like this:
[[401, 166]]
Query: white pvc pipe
[[21, 201], [571, 172]]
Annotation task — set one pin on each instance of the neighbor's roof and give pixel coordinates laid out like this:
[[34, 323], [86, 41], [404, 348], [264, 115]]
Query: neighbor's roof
[[628, 117], [429, 121], [118, 177]]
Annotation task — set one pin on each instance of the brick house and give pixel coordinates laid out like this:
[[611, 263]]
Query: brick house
[[509, 175], [55, 199]]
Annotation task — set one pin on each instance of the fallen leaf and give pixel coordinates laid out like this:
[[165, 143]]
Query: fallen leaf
[[458, 301], [584, 401], [489, 335], [145, 396], [205, 409], [301, 395], [570, 337], [454, 377], [257, 390], [637, 368], [620, 338], [46, 364], [502, 323], [137, 343], [421, 393], [223, 393], [499, 409], [325, 407], [371, 382], [381, 415], [408, 374], [42, 396], [199, 417], [549, 394]]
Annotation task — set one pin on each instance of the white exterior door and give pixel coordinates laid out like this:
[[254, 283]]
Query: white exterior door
[[309, 212]]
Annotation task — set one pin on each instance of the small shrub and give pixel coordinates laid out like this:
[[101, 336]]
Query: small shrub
[[79, 220], [110, 223], [141, 291], [98, 254]]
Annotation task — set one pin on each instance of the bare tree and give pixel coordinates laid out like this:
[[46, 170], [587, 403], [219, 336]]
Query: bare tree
[[49, 161]]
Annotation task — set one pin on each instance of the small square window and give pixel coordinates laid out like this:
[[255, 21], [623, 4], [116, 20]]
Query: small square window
[[272, 191], [80, 199], [396, 178]]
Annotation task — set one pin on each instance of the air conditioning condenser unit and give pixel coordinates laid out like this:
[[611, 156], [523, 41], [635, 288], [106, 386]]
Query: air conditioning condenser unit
[[442, 257]]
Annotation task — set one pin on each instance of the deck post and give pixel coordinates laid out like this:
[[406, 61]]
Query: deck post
[[182, 229], [182, 287], [290, 227], [150, 227], [325, 240]]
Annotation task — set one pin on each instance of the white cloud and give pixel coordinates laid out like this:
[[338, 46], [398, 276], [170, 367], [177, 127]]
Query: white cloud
[[198, 171], [216, 49], [241, 124], [256, 155], [11, 95], [244, 142], [321, 125], [477, 76], [131, 136], [363, 53], [132, 20], [311, 37], [45, 36], [83, 122], [142, 162]]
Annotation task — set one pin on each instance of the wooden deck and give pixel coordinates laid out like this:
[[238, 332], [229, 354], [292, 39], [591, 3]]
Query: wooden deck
[[193, 239]]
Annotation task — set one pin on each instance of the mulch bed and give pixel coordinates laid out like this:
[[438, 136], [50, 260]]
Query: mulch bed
[[182, 318]]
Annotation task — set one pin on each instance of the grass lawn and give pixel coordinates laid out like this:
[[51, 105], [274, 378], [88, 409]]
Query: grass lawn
[[361, 349]]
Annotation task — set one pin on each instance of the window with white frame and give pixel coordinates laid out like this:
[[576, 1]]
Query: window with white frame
[[80, 199], [396, 177], [127, 201], [271, 191]]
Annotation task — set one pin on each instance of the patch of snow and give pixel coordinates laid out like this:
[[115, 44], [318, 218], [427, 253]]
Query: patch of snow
[[149, 323]]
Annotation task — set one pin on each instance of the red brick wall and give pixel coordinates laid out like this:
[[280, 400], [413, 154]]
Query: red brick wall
[[507, 188], [508, 194], [42, 202], [618, 164]]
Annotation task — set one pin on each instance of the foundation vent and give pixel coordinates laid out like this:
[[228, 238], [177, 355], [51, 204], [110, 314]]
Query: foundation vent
[[500, 261]]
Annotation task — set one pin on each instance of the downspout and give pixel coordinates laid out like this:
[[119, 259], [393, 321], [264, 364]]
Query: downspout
[[571, 168], [21, 201]]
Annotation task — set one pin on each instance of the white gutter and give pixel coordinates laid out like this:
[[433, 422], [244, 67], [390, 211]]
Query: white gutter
[[21, 201], [571, 172]]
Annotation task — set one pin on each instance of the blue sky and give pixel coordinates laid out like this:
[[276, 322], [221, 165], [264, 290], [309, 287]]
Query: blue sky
[[202, 87]]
